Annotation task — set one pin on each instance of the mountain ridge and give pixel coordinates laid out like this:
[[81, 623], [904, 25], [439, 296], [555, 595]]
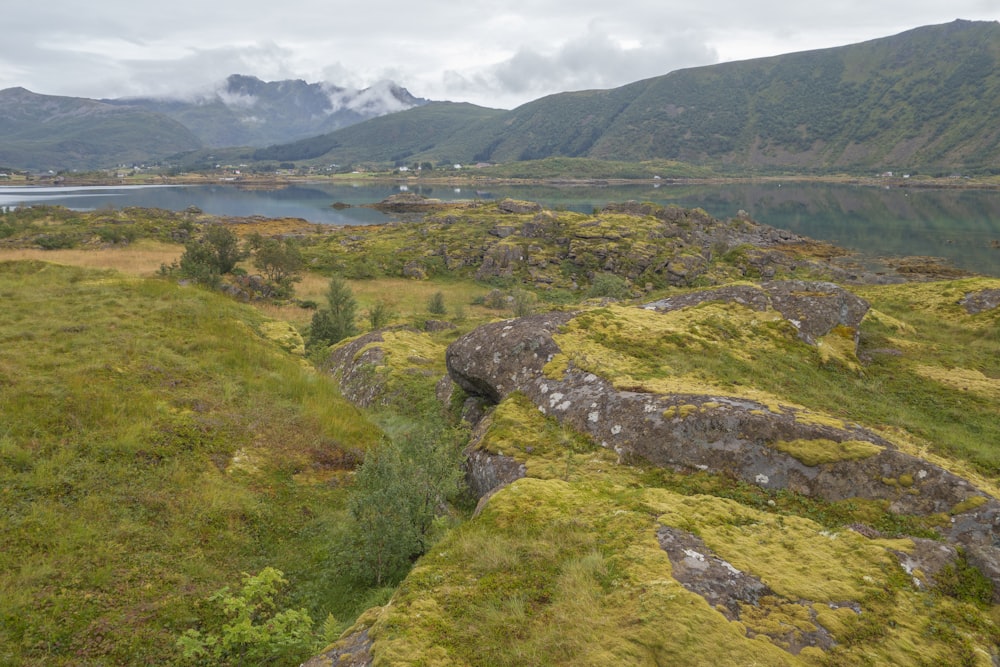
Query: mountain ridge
[[53, 132], [247, 111], [926, 98]]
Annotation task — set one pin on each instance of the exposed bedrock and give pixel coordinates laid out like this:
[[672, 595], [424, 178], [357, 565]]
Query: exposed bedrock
[[814, 308], [981, 301], [761, 444]]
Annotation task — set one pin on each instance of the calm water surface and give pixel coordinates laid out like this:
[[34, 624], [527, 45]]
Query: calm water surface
[[961, 226]]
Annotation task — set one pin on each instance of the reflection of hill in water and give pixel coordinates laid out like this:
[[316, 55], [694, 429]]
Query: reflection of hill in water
[[958, 225]]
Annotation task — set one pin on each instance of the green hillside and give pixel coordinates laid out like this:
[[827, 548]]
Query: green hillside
[[49, 132], [927, 99], [444, 128], [924, 99], [155, 442]]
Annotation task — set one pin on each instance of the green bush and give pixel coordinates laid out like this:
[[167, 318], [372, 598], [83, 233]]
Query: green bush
[[962, 581], [435, 305], [281, 261], [214, 254], [59, 241], [379, 315], [253, 632], [397, 492], [608, 285], [117, 234]]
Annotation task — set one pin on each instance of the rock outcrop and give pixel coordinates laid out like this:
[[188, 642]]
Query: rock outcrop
[[352, 650], [773, 446], [410, 202], [730, 591], [355, 365], [814, 308], [981, 301]]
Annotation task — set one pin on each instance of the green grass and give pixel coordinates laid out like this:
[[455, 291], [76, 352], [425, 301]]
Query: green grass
[[153, 445]]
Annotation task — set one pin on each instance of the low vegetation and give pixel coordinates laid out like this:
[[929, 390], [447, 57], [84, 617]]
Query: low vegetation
[[154, 445], [182, 481]]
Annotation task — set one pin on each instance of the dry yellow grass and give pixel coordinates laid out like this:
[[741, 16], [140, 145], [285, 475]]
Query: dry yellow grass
[[406, 298], [142, 258]]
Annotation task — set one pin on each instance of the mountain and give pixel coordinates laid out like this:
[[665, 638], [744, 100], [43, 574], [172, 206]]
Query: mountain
[[441, 128], [52, 132], [925, 99], [247, 111]]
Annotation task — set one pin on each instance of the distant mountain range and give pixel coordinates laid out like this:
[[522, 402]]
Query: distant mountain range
[[53, 132], [50, 132], [249, 112], [925, 100]]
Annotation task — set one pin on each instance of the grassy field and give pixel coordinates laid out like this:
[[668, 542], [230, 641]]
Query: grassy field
[[153, 445]]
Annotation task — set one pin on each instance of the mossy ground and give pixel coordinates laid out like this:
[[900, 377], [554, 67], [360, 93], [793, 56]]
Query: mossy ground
[[158, 440], [563, 567], [932, 368]]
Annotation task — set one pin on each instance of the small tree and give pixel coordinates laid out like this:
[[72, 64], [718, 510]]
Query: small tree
[[224, 246], [281, 262], [523, 302], [337, 321], [379, 315], [212, 255], [609, 285], [397, 491], [385, 507], [198, 263]]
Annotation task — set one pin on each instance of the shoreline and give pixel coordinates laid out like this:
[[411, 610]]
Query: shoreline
[[272, 182]]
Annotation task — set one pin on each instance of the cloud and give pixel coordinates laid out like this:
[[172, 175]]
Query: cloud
[[496, 55], [377, 99], [596, 59]]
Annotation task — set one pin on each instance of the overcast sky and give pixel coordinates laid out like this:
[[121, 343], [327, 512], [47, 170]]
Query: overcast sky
[[497, 54]]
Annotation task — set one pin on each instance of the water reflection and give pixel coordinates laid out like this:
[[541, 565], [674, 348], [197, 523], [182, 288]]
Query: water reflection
[[959, 225]]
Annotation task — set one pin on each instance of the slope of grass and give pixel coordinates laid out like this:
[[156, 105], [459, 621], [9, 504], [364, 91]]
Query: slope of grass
[[153, 444]]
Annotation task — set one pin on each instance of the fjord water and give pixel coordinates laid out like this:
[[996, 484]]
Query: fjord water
[[960, 225]]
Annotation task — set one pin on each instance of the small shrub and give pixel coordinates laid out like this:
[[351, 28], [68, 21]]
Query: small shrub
[[335, 322], [435, 305], [962, 581], [379, 315], [254, 633], [211, 256], [281, 262], [523, 302], [496, 299], [608, 285], [55, 241], [117, 234]]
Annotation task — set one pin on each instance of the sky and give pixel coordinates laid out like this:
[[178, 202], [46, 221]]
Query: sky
[[495, 54]]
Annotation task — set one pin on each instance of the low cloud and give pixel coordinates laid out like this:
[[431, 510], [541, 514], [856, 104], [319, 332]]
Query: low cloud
[[376, 100], [594, 60]]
